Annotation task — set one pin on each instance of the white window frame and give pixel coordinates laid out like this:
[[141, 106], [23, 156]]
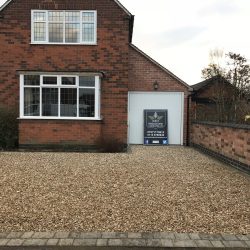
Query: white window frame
[[59, 85], [82, 42]]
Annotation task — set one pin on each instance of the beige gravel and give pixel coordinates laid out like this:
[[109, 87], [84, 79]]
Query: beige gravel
[[150, 189]]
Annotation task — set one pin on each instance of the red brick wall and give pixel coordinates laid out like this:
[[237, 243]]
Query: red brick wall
[[228, 141], [59, 132], [143, 73], [110, 56]]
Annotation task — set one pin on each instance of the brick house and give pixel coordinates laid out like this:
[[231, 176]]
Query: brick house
[[71, 70], [212, 99]]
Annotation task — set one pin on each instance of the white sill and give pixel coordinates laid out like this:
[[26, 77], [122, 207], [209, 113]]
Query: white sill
[[60, 118], [85, 44]]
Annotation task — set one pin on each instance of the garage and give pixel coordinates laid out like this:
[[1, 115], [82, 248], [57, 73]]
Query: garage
[[140, 101]]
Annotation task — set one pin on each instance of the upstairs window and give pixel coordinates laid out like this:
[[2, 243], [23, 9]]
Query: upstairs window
[[63, 27]]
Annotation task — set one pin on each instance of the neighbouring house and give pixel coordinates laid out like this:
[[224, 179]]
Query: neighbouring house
[[71, 70], [212, 100]]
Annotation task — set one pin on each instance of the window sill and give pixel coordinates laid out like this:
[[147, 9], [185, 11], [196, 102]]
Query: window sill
[[69, 44], [59, 118]]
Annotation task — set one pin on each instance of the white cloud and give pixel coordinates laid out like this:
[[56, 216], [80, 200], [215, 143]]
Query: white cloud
[[179, 34]]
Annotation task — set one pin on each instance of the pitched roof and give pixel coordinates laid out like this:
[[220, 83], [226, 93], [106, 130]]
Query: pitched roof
[[160, 66], [200, 85], [116, 1]]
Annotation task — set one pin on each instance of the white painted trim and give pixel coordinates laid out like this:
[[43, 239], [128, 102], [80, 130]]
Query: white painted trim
[[59, 86], [5, 4], [58, 118], [81, 42]]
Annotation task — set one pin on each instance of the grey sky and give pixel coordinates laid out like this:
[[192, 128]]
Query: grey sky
[[179, 34]]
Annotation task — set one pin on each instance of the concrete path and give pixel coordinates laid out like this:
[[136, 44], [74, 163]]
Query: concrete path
[[91, 241]]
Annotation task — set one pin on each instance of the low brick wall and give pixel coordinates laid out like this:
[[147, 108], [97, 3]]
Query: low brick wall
[[230, 141]]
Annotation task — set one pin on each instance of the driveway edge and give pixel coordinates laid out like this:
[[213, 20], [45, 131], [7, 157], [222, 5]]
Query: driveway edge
[[116, 240]]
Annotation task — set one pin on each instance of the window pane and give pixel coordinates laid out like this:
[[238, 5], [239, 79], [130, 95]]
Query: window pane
[[39, 16], [31, 101], [56, 32], [87, 102], [88, 16], [32, 80], [88, 32], [68, 102], [50, 80], [50, 101], [72, 32], [87, 81], [72, 16], [39, 32], [68, 81], [56, 16]]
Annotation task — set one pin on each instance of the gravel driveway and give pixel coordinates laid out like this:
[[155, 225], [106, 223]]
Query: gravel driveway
[[150, 189]]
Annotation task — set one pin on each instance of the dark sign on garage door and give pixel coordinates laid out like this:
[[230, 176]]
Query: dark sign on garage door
[[155, 127]]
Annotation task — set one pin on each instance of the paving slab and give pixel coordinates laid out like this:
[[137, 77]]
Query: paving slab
[[119, 240]]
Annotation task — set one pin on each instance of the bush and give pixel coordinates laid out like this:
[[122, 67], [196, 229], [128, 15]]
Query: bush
[[111, 146], [8, 128]]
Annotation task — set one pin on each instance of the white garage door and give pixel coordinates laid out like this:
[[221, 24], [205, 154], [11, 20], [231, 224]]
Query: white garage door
[[172, 101]]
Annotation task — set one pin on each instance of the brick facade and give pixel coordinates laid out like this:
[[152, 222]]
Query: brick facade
[[143, 73], [123, 68], [232, 142], [109, 56]]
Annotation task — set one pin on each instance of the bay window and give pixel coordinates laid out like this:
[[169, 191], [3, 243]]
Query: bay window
[[63, 27], [60, 96]]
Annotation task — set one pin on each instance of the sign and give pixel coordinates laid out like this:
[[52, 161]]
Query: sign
[[156, 127]]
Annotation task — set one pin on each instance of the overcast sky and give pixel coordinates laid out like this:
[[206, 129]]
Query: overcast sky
[[180, 33]]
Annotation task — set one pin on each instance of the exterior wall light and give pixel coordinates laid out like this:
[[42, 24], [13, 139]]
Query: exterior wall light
[[156, 85]]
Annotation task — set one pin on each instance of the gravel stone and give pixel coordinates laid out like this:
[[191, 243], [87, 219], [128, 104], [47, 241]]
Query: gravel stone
[[150, 189]]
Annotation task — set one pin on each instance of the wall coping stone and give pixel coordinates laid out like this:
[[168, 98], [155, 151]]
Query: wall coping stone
[[118, 240], [227, 125]]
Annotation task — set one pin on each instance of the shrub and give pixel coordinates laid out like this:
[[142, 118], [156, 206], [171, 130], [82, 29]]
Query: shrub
[[111, 146], [8, 128]]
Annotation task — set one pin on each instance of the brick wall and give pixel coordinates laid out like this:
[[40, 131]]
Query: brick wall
[[232, 141], [51, 132], [143, 73], [109, 56]]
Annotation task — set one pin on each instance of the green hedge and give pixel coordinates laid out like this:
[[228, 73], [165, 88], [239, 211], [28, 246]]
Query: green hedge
[[8, 128]]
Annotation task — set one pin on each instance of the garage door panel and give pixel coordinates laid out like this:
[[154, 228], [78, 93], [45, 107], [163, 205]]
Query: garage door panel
[[139, 101]]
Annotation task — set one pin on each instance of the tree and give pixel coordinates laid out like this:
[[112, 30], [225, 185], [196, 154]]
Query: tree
[[234, 75]]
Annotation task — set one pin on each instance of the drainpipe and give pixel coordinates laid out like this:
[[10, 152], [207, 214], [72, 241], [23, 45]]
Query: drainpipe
[[188, 115]]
